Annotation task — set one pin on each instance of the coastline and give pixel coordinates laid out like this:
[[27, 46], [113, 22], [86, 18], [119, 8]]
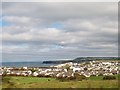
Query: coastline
[[88, 73]]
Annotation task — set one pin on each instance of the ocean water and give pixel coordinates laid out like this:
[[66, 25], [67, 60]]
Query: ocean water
[[25, 64]]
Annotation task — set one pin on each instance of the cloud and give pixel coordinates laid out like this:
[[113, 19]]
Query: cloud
[[40, 31]]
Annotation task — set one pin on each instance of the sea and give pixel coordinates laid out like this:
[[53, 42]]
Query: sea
[[25, 64]]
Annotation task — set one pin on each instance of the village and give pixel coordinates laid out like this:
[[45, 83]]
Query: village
[[88, 69]]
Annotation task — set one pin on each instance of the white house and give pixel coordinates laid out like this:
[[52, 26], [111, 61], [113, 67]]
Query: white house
[[76, 69]]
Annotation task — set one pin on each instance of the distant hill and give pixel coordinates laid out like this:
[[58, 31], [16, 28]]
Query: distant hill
[[81, 59], [57, 62]]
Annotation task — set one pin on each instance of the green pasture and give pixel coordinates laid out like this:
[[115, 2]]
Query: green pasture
[[40, 82]]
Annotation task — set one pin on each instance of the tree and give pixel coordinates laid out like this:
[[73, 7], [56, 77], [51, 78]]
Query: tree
[[109, 78]]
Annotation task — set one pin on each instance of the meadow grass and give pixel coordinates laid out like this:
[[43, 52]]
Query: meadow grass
[[41, 82]]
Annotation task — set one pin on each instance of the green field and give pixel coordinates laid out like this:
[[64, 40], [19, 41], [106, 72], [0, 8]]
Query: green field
[[40, 82]]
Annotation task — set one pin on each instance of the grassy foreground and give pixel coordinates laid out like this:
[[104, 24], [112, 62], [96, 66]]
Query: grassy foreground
[[40, 82]]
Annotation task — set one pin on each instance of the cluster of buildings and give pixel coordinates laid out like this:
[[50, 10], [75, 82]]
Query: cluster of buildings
[[91, 68]]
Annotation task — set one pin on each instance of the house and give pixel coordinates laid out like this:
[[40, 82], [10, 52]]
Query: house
[[76, 69], [35, 74]]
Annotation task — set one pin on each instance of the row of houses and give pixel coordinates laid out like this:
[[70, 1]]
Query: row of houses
[[91, 68]]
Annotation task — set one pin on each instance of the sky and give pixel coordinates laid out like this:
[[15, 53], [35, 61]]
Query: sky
[[37, 31]]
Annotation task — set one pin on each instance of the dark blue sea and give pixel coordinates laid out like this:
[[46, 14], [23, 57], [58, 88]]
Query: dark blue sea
[[25, 64]]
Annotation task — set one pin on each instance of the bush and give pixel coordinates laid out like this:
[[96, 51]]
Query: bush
[[67, 67], [65, 78], [109, 78], [61, 78], [100, 74], [71, 78], [33, 70], [79, 77], [85, 69]]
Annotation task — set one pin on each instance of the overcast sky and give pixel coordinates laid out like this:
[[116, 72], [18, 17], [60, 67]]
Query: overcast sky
[[53, 31]]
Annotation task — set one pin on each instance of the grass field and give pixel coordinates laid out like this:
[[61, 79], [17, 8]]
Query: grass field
[[39, 82]]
